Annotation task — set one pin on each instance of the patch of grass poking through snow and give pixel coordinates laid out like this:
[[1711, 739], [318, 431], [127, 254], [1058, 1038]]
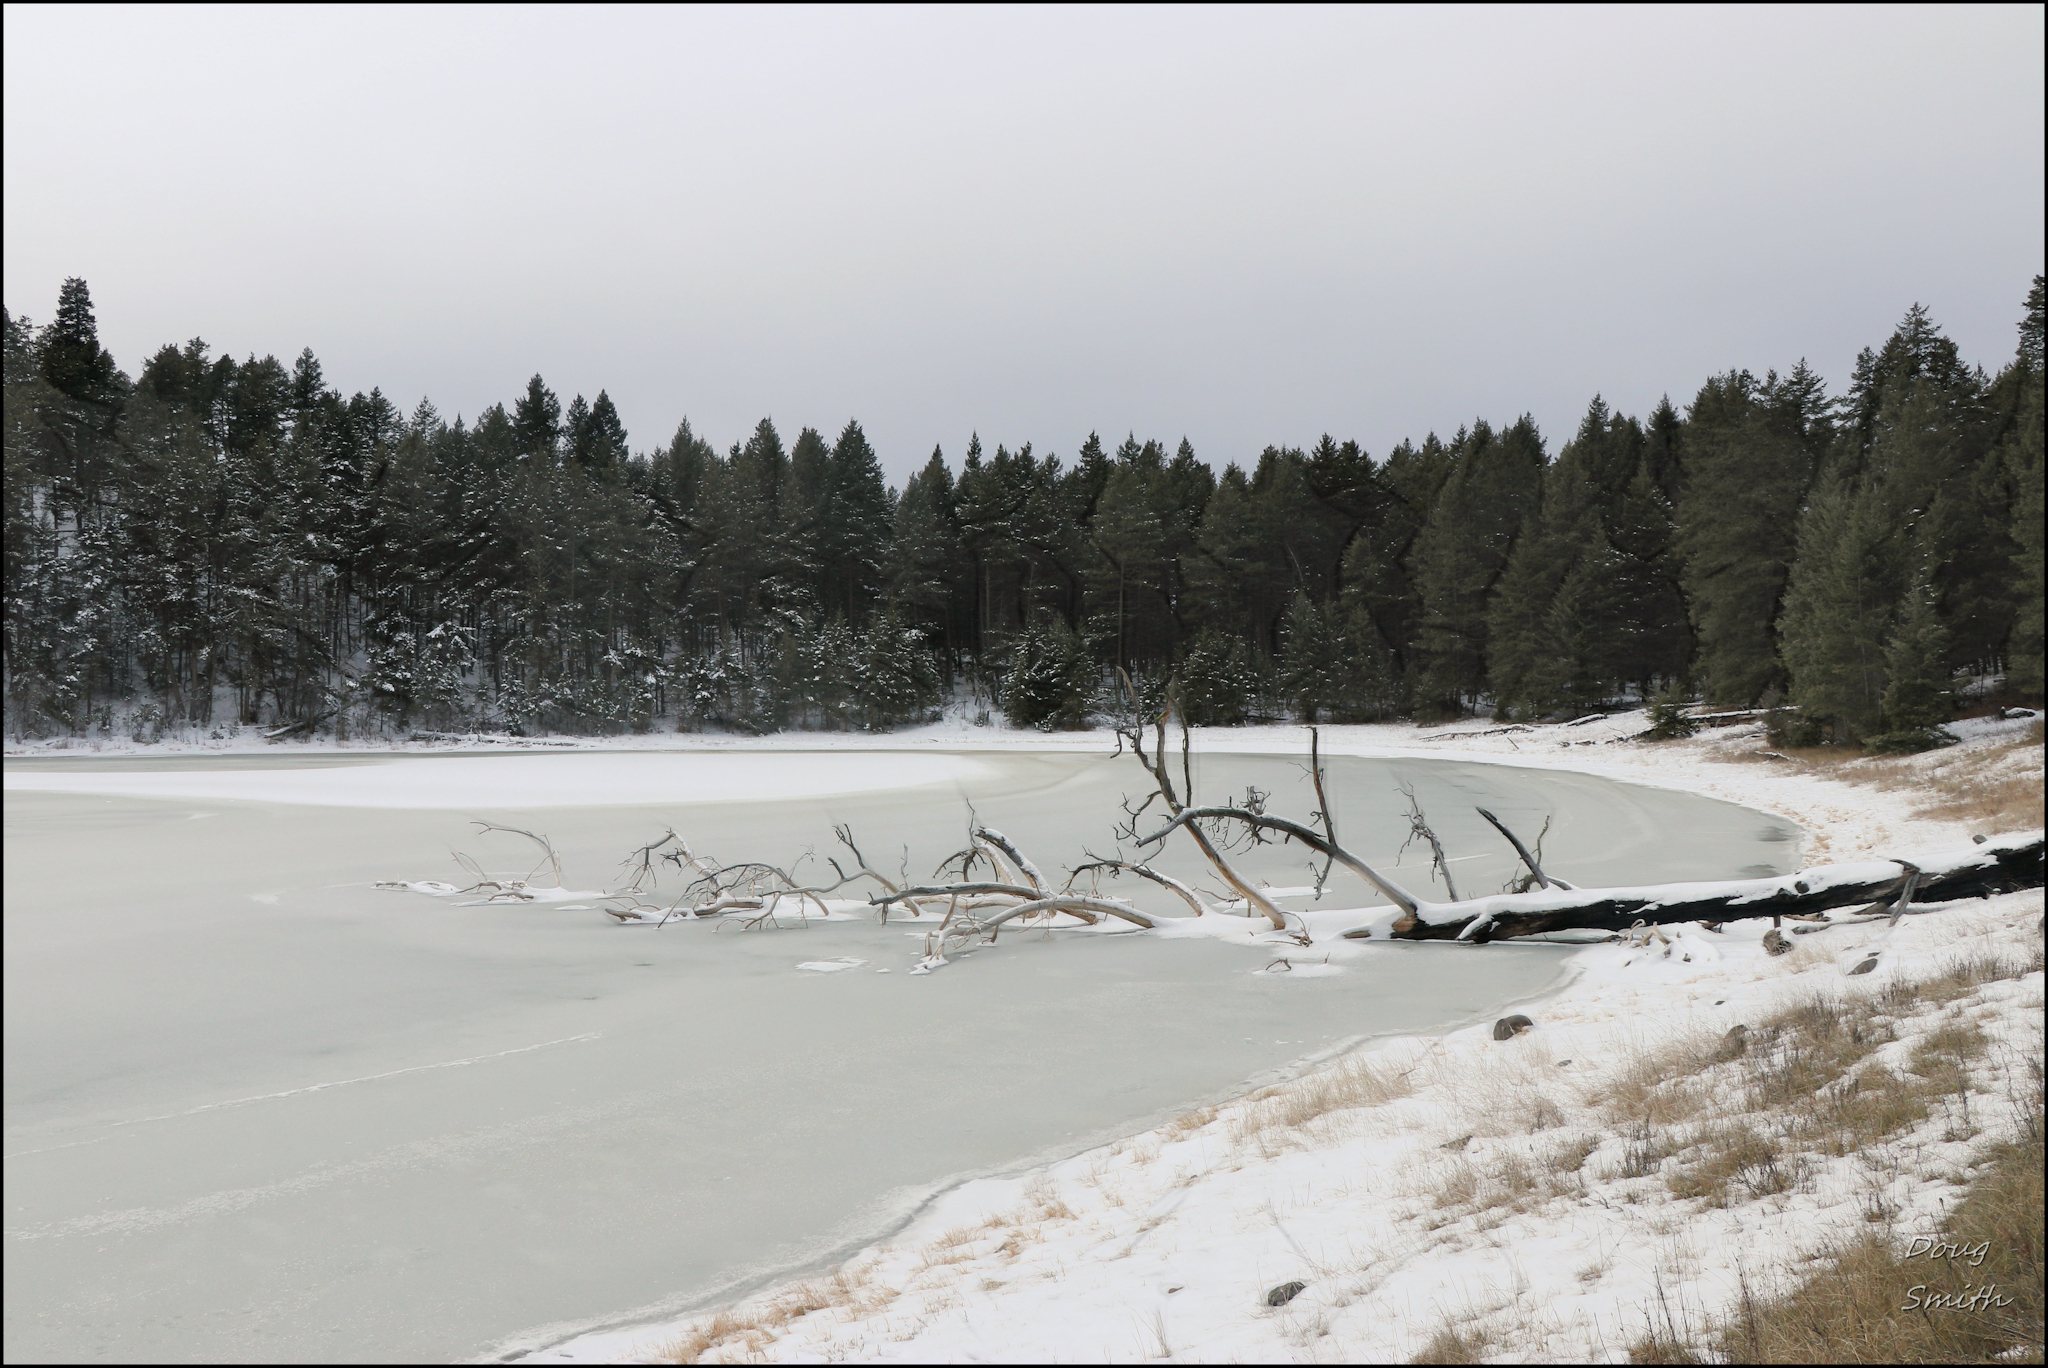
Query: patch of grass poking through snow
[[1802, 1082], [749, 1331], [1869, 1302], [1454, 1344], [1348, 1085], [1735, 1163]]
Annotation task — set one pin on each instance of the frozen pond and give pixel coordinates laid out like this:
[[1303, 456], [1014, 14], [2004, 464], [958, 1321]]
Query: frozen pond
[[256, 1110]]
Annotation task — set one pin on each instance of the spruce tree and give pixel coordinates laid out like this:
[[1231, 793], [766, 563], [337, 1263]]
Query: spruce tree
[[1917, 700], [2020, 459], [921, 569], [853, 526], [1493, 489], [1750, 455], [537, 421], [1842, 591], [73, 361]]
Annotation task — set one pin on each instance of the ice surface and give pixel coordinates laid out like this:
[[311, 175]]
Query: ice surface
[[521, 780], [353, 1124]]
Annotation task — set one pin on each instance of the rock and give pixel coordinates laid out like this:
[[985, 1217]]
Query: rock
[[1456, 1144], [1732, 1045], [1775, 942], [1285, 1293], [1865, 967], [1508, 1027]]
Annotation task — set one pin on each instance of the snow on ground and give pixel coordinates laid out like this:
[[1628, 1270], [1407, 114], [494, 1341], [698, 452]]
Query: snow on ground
[[1495, 1189]]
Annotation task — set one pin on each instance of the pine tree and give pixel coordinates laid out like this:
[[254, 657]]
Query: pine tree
[[537, 421], [1917, 700], [1493, 488], [73, 361], [1840, 598], [1750, 455], [2020, 459]]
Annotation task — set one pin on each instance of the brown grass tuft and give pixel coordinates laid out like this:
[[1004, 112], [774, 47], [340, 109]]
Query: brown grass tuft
[[1347, 1085], [1454, 1344]]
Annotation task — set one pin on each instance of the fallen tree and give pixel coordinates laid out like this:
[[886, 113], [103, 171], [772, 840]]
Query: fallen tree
[[2001, 865], [1539, 903]]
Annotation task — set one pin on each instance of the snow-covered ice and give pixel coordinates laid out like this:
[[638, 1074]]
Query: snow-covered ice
[[522, 780]]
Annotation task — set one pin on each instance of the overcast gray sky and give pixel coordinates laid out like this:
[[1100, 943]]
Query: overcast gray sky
[[1241, 226]]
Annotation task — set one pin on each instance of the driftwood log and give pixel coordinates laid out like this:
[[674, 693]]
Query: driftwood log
[[2001, 865]]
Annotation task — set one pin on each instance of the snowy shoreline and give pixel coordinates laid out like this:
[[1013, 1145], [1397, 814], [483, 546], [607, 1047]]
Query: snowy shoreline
[[1164, 1244]]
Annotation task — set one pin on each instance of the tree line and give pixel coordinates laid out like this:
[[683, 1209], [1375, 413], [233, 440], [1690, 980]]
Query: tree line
[[218, 541]]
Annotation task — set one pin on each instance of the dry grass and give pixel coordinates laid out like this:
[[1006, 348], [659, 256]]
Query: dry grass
[[1991, 788], [1454, 1344], [1661, 1086], [1805, 1083], [1735, 1163], [1868, 1304], [1509, 1180], [1346, 1085], [1994, 803], [851, 1290]]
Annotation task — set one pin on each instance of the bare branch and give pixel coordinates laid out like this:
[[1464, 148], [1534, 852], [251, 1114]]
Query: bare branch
[[548, 856], [956, 890], [1419, 827], [1001, 846], [1323, 808], [1314, 840], [1535, 867], [1172, 885], [1072, 904]]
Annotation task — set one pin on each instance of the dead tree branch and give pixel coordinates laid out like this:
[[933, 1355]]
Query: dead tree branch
[[1314, 840], [1533, 861], [1073, 905], [1419, 828], [1162, 779], [1167, 882]]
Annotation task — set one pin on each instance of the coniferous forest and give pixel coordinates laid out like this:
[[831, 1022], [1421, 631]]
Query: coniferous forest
[[218, 542]]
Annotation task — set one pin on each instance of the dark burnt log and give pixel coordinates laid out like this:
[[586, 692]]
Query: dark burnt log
[[2001, 866]]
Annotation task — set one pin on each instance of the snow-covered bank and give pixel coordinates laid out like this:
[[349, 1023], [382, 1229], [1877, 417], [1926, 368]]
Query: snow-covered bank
[[1538, 1197]]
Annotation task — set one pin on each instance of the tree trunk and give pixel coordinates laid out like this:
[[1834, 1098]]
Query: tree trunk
[[2002, 865]]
